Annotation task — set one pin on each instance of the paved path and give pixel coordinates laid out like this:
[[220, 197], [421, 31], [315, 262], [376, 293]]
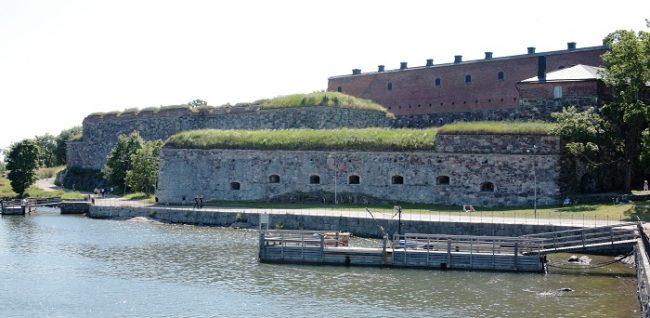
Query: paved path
[[48, 185], [474, 217]]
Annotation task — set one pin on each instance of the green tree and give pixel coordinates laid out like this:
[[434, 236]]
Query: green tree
[[22, 162], [645, 151], [627, 72], [118, 161], [3, 168], [143, 174], [197, 103], [47, 145], [61, 143]]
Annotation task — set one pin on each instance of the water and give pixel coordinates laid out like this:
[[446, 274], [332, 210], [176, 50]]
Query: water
[[70, 266]]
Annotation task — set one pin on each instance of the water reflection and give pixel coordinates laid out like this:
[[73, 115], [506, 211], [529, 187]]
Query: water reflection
[[197, 271]]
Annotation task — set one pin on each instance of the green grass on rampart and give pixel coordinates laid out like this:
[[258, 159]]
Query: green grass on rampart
[[329, 99], [367, 139], [498, 128]]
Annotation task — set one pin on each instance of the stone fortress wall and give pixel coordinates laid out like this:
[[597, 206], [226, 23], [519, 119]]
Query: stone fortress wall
[[482, 170], [100, 132]]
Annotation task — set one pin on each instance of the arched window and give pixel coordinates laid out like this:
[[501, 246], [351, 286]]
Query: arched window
[[354, 179], [397, 179], [468, 78], [500, 76], [314, 179], [389, 86], [339, 89], [438, 81], [487, 187], [442, 180], [235, 186], [274, 178]]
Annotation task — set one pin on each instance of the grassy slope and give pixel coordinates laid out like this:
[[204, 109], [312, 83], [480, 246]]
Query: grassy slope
[[331, 99], [375, 139], [497, 128], [34, 192]]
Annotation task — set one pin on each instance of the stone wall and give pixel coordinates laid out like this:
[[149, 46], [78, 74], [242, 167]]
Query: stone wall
[[359, 226], [100, 132], [450, 178]]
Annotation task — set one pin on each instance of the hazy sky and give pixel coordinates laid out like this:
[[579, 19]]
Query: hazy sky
[[62, 60]]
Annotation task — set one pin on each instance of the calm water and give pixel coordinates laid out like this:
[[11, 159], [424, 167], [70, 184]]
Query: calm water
[[68, 266]]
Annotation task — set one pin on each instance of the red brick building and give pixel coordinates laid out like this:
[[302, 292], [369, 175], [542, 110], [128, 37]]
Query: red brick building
[[468, 90]]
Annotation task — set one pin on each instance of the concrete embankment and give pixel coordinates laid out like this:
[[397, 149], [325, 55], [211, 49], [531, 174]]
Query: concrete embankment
[[359, 226]]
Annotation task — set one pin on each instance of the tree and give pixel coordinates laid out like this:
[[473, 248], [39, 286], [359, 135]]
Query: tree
[[585, 133], [197, 103], [143, 174], [61, 143], [3, 168], [47, 145], [627, 72], [22, 162], [118, 161]]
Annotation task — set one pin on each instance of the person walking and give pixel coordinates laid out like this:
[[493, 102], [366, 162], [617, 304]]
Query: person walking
[[196, 202], [645, 185]]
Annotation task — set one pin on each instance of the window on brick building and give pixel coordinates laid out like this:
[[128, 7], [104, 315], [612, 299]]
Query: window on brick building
[[339, 89], [557, 92], [438, 81], [468, 78], [500, 76], [314, 179], [389, 86], [442, 180], [397, 179], [235, 186], [487, 187], [354, 179], [274, 178]]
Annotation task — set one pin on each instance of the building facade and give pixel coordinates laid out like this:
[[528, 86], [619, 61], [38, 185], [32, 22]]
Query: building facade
[[483, 89]]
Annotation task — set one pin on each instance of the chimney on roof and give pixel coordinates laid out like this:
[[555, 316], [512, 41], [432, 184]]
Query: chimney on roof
[[488, 55], [429, 62], [458, 59], [531, 50], [380, 68], [402, 65], [541, 68], [571, 46], [356, 71]]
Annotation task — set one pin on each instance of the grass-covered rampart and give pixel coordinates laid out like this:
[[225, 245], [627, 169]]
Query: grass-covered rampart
[[498, 128], [368, 139], [326, 99]]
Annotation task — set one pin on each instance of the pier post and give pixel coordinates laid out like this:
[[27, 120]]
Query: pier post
[[448, 253]]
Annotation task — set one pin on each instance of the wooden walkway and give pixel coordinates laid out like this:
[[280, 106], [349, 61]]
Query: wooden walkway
[[436, 251], [15, 207]]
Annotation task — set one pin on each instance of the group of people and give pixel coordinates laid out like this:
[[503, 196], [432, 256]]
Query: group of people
[[101, 192]]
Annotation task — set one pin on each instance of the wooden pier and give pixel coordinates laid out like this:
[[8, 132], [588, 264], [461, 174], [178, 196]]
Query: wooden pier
[[410, 250], [20, 207], [437, 251]]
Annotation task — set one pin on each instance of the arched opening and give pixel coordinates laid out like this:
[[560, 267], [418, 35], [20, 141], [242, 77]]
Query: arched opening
[[274, 178], [235, 186], [314, 179], [354, 179], [442, 180], [487, 187], [397, 179], [339, 89], [500, 76], [438, 81], [468, 78]]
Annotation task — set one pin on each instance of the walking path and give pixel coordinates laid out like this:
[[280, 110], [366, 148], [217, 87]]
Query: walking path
[[465, 217]]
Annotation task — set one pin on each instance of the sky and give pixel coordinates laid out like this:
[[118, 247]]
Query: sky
[[62, 60]]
